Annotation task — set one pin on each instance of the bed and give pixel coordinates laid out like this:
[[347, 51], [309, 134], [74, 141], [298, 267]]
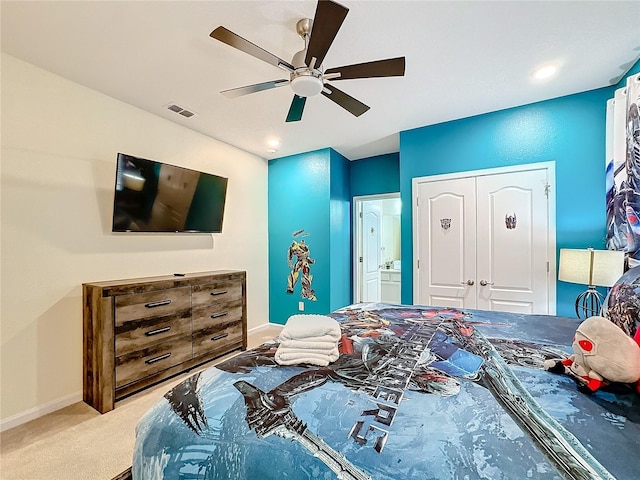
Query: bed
[[417, 392]]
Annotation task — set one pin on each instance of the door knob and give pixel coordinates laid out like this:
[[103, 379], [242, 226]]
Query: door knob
[[484, 283], [468, 282]]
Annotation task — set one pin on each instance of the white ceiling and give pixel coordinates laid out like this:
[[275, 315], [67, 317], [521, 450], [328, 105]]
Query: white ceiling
[[462, 59]]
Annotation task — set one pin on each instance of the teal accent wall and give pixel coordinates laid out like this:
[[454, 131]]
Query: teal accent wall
[[340, 233], [309, 191], [375, 175], [568, 130], [314, 190]]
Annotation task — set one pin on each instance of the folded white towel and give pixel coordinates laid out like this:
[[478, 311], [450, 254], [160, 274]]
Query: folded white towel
[[322, 339], [304, 344], [284, 358], [305, 326], [300, 351]]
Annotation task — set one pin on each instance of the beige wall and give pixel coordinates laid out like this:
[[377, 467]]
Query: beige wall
[[59, 145]]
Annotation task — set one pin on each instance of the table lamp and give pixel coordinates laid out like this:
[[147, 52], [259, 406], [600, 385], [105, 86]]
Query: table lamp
[[595, 268]]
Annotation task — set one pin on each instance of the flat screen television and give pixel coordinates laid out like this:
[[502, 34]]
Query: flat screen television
[[152, 196]]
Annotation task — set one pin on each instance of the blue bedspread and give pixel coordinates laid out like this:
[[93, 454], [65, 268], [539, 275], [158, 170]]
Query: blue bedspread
[[418, 392]]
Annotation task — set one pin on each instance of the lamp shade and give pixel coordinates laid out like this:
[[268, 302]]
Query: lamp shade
[[591, 267]]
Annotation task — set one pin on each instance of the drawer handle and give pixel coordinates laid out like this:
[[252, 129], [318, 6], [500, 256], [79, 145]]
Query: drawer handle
[[157, 304], [219, 337], [157, 359], [156, 332], [221, 292], [221, 314]]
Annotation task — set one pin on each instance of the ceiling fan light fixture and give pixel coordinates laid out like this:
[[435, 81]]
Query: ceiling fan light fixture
[[307, 83], [306, 73]]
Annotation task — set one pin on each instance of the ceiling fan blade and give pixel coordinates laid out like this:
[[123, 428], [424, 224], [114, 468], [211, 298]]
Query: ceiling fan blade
[[326, 23], [391, 67], [258, 87], [236, 41], [296, 109], [347, 102]]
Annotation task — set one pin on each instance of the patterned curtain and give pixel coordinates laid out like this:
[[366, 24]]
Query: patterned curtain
[[623, 171]]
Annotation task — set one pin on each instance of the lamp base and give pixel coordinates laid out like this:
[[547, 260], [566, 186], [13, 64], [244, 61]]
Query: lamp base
[[589, 303]]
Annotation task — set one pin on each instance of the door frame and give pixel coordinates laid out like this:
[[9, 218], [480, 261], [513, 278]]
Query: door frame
[[356, 228], [549, 166]]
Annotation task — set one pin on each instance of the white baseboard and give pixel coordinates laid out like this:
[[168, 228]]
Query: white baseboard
[[54, 405], [39, 411], [263, 327]]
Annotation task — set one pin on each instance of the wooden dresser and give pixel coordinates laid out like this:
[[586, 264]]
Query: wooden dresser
[[138, 332]]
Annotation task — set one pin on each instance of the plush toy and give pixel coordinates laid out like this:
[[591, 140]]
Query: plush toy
[[602, 354]]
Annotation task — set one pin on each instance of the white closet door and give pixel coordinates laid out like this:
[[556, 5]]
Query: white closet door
[[446, 242], [512, 236], [486, 240]]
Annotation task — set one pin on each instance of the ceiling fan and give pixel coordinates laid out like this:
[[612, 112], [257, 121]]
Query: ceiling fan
[[306, 74]]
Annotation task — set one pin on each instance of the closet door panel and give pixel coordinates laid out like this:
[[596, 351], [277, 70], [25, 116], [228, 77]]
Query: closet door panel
[[446, 243], [512, 233]]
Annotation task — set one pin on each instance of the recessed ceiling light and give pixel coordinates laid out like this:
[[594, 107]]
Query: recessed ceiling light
[[273, 143], [545, 71]]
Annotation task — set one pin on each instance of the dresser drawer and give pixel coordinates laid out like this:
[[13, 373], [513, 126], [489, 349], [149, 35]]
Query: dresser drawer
[[159, 303], [215, 337], [132, 336], [138, 332], [208, 317], [223, 291], [136, 365]]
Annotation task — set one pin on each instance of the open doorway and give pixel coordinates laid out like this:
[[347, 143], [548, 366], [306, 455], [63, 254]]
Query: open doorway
[[376, 246]]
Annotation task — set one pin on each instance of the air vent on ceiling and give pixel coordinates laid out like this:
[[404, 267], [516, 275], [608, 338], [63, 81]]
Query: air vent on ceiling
[[181, 110]]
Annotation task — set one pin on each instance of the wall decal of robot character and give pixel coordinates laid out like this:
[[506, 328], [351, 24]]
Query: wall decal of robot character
[[300, 250]]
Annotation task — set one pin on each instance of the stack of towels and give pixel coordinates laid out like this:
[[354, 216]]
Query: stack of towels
[[311, 339]]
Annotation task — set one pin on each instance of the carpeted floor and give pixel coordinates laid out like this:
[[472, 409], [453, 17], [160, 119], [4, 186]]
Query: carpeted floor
[[77, 442]]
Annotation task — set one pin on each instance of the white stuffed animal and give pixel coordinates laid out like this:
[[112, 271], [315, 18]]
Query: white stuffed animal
[[602, 353]]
